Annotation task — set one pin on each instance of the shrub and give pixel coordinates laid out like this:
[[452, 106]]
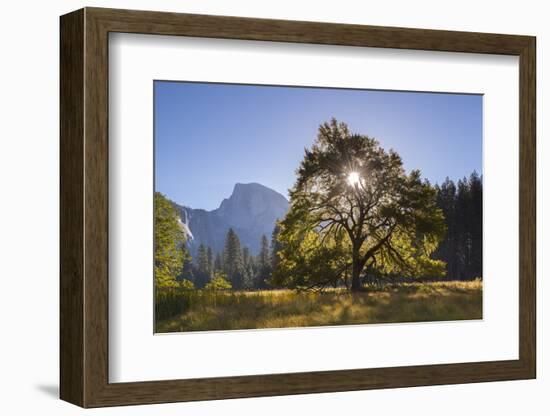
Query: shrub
[[187, 284], [219, 282]]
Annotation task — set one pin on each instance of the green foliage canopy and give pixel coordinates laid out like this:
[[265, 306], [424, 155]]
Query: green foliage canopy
[[354, 212], [170, 252]]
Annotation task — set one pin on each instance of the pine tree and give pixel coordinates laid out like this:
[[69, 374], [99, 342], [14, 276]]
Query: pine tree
[[248, 269], [210, 259], [476, 224], [202, 275], [246, 255], [187, 271], [276, 246], [218, 263], [264, 263], [232, 259], [462, 206], [446, 200], [464, 241]]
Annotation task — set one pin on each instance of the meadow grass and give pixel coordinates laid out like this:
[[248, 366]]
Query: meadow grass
[[201, 310]]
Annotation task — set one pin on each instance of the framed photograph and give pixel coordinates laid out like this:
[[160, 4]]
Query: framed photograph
[[255, 207]]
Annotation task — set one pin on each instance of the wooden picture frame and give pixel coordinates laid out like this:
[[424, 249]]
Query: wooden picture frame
[[84, 207]]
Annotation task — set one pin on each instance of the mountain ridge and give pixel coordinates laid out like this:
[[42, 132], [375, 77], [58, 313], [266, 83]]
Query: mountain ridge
[[251, 210]]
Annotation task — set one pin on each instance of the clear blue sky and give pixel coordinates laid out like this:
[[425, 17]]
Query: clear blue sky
[[210, 136]]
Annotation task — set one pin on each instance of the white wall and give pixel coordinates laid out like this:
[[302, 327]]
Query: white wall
[[29, 209]]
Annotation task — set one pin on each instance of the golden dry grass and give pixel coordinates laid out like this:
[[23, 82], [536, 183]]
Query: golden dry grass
[[408, 302]]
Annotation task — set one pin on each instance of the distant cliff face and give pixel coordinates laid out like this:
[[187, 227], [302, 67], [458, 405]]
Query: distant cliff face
[[251, 210]]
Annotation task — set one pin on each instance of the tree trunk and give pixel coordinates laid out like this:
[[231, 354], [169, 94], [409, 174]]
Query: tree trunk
[[356, 271]]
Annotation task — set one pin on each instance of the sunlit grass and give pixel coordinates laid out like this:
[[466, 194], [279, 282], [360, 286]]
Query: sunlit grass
[[200, 310]]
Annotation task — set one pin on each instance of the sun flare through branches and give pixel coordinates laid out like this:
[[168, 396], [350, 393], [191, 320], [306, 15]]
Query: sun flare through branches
[[354, 179]]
